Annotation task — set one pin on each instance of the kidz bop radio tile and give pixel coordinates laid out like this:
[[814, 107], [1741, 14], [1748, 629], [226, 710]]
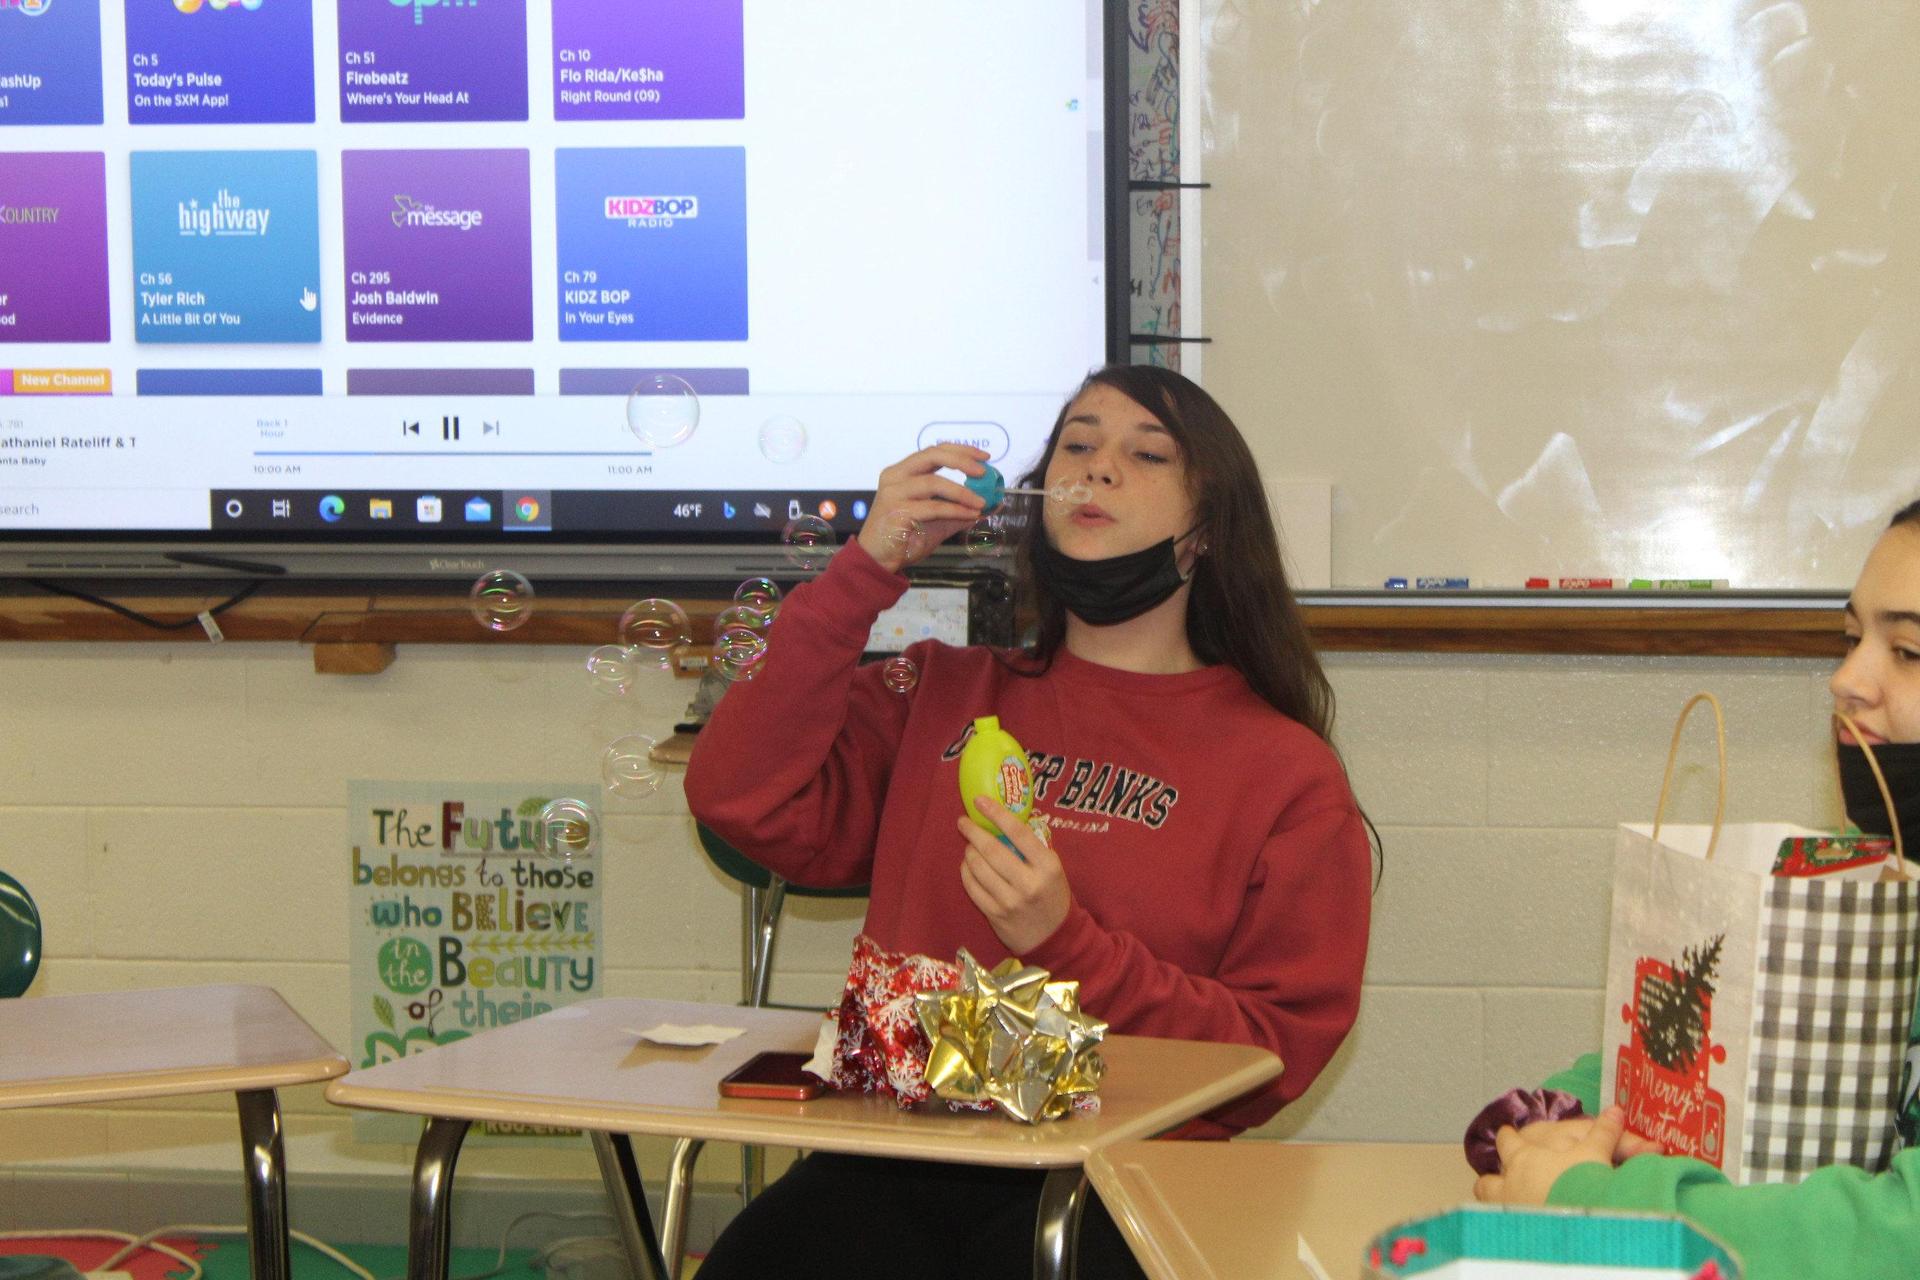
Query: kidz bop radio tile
[[219, 61], [404, 60], [652, 243], [226, 246], [53, 246], [663, 60], [50, 62], [439, 247]]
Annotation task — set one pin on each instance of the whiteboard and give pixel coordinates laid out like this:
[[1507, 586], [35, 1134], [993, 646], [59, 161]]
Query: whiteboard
[[1570, 287]]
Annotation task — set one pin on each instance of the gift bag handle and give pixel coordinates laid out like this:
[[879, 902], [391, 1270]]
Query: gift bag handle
[[1886, 796], [1673, 754]]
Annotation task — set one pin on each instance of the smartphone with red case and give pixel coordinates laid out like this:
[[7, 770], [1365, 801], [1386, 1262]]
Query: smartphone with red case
[[780, 1076]]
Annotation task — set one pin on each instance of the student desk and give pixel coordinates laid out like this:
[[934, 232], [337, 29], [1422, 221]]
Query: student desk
[[583, 1066], [1206, 1210], [59, 1050]]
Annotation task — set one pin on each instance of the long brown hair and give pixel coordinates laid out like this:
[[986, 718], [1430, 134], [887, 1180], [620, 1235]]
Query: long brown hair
[[1240, 611], [1909, 514]]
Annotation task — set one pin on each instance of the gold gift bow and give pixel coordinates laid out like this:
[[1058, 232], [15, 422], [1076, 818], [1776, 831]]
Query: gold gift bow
[[1013, 1037]]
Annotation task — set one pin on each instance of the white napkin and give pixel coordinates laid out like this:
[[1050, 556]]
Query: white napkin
[[700, 1033], [821, 1063]]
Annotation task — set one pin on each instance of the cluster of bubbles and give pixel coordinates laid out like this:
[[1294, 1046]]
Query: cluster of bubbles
[[663, 412]]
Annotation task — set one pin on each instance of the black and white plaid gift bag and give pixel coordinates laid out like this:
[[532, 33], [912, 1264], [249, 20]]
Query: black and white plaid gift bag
[[1833, 1000]]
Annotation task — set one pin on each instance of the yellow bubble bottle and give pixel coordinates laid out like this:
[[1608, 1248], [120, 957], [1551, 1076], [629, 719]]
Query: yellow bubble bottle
[[993, 763]]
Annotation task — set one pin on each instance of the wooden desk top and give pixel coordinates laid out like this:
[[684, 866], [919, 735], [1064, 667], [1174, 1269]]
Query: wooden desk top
[[1207, 1210], [150, 1044], [583, 1066]]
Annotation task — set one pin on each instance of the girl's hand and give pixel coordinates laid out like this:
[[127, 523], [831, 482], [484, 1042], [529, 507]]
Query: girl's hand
[[1023, 901], [915, 510], [1532, 1159]]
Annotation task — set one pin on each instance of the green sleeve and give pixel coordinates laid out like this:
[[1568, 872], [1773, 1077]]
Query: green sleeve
[[1582, 1080], [1841, 1223]]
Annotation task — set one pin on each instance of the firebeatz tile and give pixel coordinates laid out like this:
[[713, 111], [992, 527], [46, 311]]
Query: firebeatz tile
[[405, 60]]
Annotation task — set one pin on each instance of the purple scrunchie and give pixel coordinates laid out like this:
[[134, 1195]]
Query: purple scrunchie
[[1519, 1108]]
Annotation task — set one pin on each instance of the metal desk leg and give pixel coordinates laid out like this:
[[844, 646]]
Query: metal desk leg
[[265, 1156], [621, 1174], [673, 1215], [1056, 1230], [430, 1215]]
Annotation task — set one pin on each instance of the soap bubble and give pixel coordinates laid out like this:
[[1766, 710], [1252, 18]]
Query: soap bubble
[[739, 653], [501, 600], [809, 541], [628, 769], [739, 615], [568, 829], [1080, 493], [906, 533], [613, 668], [657, 625], [986, 539], [783, 439], [760, 594], [663, 410], [900, 675]]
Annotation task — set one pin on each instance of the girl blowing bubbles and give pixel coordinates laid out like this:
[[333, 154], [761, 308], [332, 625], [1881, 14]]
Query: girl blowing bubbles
[[1207, 877], [1841, 1221]]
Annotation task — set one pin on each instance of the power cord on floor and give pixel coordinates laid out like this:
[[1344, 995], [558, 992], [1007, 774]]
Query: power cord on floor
[[151, 1238], [132, 1242]]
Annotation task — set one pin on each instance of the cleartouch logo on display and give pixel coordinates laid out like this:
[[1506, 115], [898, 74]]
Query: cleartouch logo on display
[[417, 213], [225, 215], [17, 215], [651, 211], [421, 6]]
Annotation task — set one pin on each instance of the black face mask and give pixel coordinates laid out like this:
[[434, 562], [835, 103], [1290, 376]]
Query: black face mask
[[1900, 762], [1104, 592]]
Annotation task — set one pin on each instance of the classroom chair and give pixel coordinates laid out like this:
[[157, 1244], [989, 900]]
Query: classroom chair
[[19, 938], [759, 929], [760, 923]]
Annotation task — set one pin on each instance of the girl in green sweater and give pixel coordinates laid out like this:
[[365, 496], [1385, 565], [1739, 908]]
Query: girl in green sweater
[[1840, 1221]]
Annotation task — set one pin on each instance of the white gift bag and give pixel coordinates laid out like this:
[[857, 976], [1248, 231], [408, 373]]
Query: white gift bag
[[1756, 1022]]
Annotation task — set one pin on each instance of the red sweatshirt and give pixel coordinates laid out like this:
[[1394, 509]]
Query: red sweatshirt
[[1217, 861]]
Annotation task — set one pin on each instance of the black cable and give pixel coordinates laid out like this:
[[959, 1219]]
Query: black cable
[[181, 625]]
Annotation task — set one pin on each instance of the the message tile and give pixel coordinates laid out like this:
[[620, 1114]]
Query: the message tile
[[652, 243], [648, 60], [405, 60], [219, 61], [50, 62], [226, 246], [439, 247], [53, 246]]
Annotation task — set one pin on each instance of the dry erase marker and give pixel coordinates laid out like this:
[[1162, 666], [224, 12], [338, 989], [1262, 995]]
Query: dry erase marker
[[1679, 584], [1427, 584], [1576, 584]]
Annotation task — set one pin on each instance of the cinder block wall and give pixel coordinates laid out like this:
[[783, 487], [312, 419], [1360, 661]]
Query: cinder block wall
[[179, 813]]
